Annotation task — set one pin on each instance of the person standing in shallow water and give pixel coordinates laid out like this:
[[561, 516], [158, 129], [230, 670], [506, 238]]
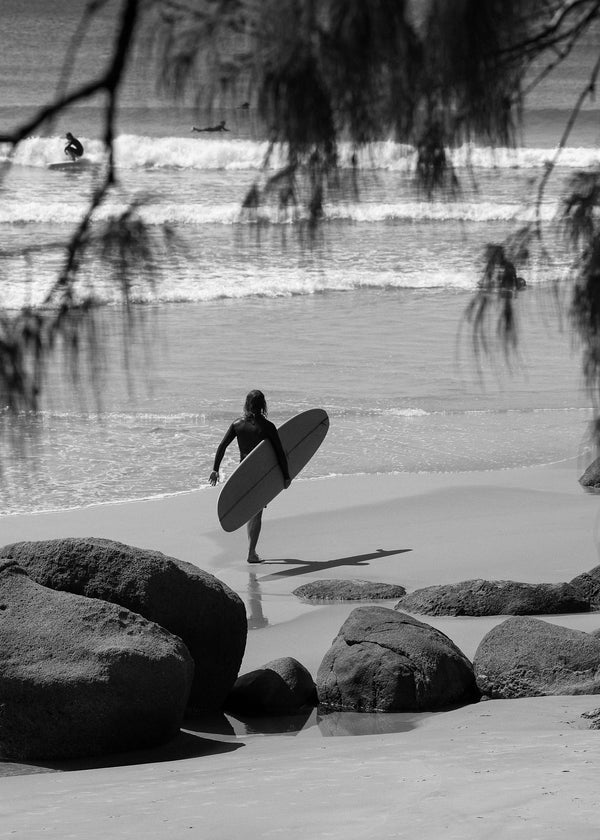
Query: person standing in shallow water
[[250, 429]]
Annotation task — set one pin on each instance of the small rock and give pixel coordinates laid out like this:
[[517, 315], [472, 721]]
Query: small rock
[[590, 480], [324, 591], [279, 687]]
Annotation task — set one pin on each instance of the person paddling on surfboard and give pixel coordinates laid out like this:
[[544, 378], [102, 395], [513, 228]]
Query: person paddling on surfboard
[[73, 149], [250, 430], [211, 128]]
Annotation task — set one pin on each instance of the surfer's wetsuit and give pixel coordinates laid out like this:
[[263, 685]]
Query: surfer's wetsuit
[[73, 149], [220, 127], [249, 433]]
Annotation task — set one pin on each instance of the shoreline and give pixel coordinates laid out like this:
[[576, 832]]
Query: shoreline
[[524, 768], [581, 460]]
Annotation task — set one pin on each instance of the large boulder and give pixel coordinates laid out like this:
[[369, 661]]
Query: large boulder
[[281, 686], [494, 597], [592, 718], [192, 604], [527, 657], [383, 660], [587, 586], [325, 591], [590, 480], [81, 677]]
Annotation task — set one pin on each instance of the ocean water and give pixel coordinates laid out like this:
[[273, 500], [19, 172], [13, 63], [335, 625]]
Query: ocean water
[[367, 323]]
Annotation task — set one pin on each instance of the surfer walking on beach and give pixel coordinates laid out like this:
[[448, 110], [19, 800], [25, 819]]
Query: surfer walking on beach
[[73, 149], [219, 127], [250, 429]]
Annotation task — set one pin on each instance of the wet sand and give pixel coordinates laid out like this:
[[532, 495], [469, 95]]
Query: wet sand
[[518, 768]]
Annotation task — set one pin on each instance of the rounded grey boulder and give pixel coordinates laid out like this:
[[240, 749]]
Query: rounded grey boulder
[[324, 591], [281, 686], [81, 677], [590, 480], [587, 586], [527, 657], [204, 612], [384, 660], [495, 597]]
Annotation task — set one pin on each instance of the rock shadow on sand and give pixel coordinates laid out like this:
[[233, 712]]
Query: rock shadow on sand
[[184, 746], [304, 567]]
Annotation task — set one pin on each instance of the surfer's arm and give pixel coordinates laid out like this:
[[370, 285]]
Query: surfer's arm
[[229, 437], [273, 436]]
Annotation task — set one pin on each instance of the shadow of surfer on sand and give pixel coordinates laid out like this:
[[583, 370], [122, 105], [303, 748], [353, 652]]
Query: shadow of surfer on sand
[[303, 567]]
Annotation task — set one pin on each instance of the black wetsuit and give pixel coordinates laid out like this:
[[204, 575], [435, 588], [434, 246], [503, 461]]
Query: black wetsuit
[[249, 433], [220, 127], [74, 147]]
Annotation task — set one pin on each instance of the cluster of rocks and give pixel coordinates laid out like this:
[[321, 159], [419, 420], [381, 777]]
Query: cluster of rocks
[[476, 597], [383, 660], [386, 660], [104, 646]]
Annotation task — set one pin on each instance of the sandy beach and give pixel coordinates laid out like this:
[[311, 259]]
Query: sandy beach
[[506, 769]]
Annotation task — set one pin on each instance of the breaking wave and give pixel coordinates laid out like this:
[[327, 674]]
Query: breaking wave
[[63, 213], [139, 152]]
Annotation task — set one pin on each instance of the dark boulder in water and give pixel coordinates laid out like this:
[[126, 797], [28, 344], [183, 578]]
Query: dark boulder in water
[[281, 686], [383, 660]]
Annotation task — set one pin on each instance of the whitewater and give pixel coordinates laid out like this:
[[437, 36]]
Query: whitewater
[[138, 152]]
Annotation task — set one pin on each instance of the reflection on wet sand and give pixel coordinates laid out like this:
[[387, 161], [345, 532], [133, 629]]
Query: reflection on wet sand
[[327, 724], [334, 724], [273, 724], [256, 619]]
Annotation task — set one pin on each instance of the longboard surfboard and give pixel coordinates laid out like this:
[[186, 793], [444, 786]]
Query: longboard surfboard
[[73, 166], [258, 479]]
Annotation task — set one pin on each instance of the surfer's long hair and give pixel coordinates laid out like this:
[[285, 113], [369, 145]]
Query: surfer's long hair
[[255, 405]]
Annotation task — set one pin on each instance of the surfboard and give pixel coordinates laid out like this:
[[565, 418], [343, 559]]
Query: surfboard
[[81, 165], [258, 479]]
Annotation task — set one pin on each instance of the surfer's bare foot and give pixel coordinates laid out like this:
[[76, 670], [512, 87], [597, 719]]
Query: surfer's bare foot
[[254, 558]]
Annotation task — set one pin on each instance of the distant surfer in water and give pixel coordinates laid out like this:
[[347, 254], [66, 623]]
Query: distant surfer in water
[[220, 127], [73, 149], [509, 282], [250, 430]]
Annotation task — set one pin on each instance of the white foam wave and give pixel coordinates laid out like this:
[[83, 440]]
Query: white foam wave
[[184, 287], [408, 412], [139, 152], [65, 213]]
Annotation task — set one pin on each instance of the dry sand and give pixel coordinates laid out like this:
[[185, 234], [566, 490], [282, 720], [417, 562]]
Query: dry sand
[[499, 769]]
